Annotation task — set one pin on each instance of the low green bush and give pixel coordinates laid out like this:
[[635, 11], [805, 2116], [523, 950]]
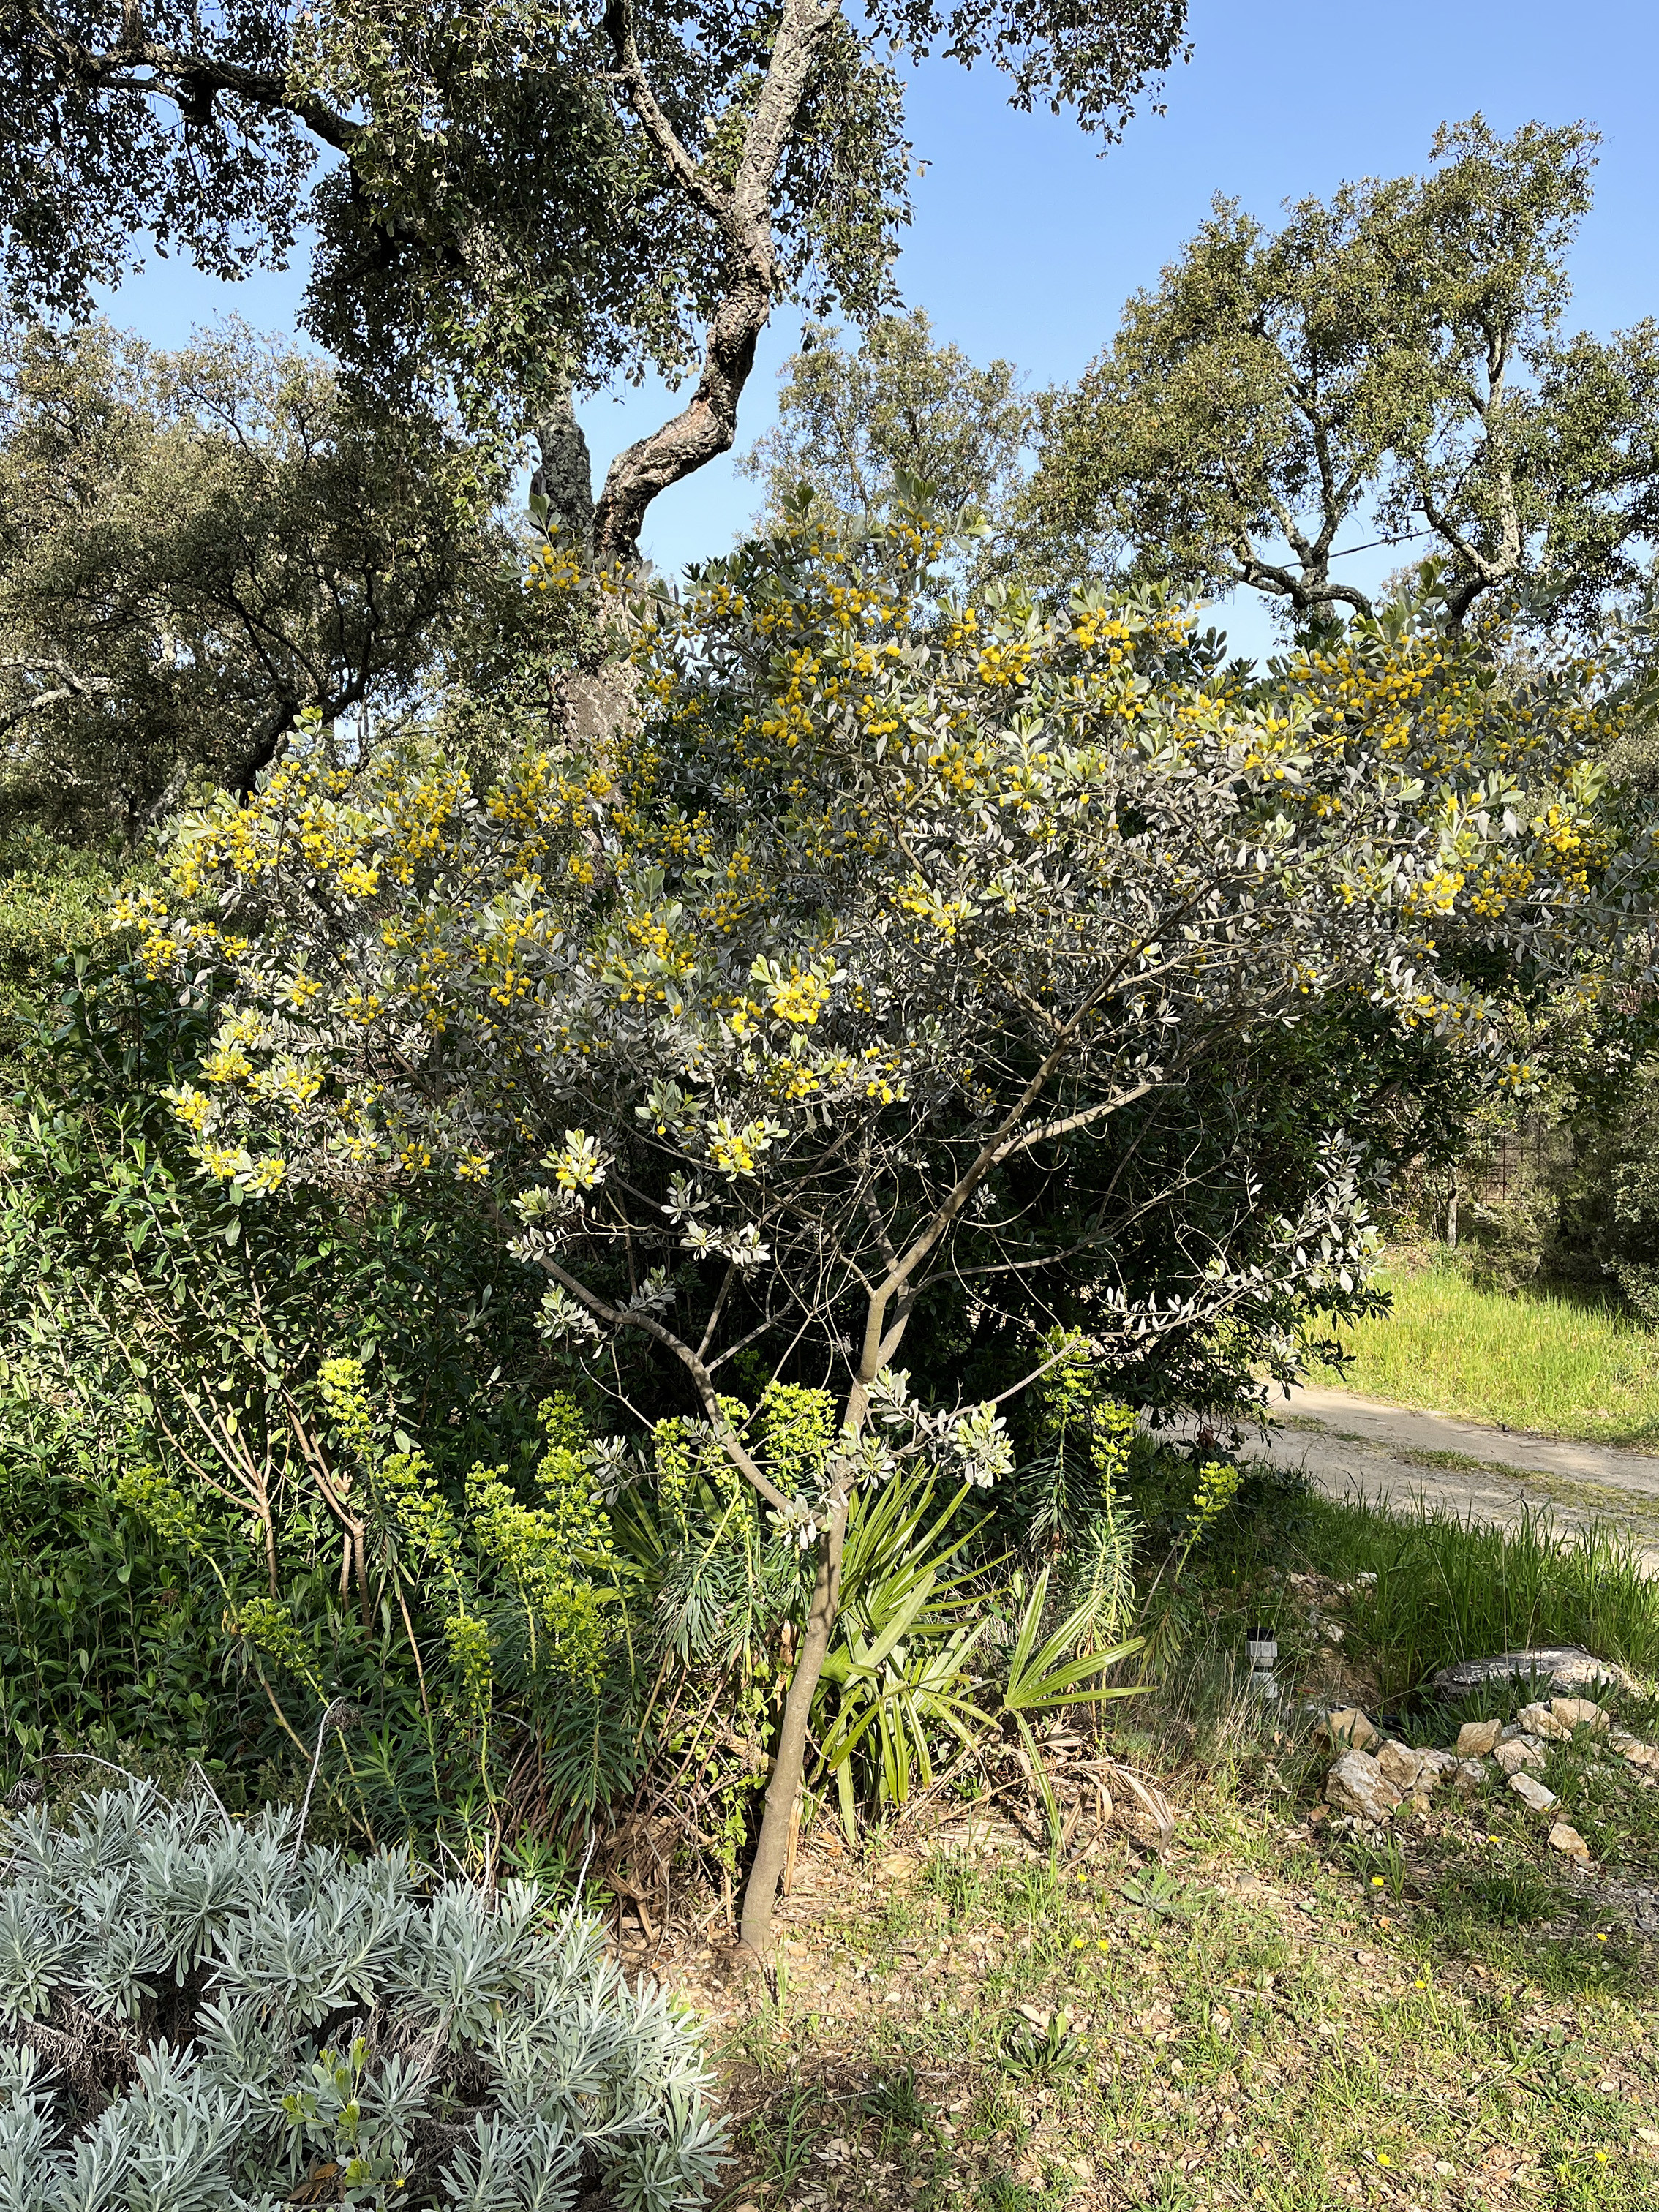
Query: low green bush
[[207, 2015]]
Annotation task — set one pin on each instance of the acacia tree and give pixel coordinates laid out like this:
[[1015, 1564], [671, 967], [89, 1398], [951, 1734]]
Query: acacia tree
[[1389, 362], [807, 999], [196, 550], [518, 196]]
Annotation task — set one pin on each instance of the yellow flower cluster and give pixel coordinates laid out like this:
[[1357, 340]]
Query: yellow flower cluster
[[799, 997]]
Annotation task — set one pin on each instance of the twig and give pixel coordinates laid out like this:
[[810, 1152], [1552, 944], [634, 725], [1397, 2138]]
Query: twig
[[340, 1713]]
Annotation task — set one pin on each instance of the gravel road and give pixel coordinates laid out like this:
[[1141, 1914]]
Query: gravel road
[[1348, 1443]]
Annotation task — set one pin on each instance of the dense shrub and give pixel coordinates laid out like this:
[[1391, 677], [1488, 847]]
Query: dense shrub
[[201, 2014]]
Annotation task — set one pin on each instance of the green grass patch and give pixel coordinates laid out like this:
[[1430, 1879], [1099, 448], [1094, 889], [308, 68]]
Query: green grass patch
[[1419, 1591], [1537, 1359], [1447, 1589], [1474, 2038]]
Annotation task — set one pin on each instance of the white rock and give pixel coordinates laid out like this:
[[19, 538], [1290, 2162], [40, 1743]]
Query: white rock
[[1539, 1720], [1356, 1784], [1471, 1776], [1565, 1669], [1435, 1767], [1520, 1751], [1564, 1837], [1400, 1764], [1581, 1712], [1477, 1739], [1532, 1794]]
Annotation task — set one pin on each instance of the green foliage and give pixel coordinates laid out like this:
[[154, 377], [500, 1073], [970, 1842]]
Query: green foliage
[[55, 901], [900, 410], [1390, 359], [671, 1045], [902, 1672], [1049, 1673], [172, 1404], [1078, 1443], [1611, 1209], [197, 549], [234, 2015]]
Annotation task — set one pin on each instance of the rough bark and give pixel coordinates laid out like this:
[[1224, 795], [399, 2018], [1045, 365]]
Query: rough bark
[[565, 477], [742, 213]]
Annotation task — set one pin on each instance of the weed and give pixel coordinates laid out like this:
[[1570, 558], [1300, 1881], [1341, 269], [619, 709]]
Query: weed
[[1382, 1867], [1040, 2043], [1001, 2192], [954, 1878], [779, 2139], [1157, 1893], [896, 2103]]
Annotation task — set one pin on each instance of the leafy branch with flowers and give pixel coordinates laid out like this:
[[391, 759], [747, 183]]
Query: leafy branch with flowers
[[872, 966]]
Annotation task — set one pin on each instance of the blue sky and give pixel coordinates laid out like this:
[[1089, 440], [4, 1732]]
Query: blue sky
[[1026, 243]]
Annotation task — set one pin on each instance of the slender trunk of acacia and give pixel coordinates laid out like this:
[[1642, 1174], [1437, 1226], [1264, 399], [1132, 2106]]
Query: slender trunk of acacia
[[789, 1769]]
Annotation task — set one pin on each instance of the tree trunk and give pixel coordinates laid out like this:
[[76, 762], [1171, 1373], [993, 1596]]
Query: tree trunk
[[565, 477], [701, 431], [789, 1769]]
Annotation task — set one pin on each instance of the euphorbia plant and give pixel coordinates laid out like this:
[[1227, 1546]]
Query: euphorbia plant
[[866, 964]]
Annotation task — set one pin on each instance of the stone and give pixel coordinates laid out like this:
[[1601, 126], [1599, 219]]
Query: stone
[[1539, 1720], [1532, 1794], [1471, 1776], [1638, 1753], [1519, 1752], [1400, 1766], [1567, 1668], [1349, 1728], [1581, 1712], [1479, 1739], [1565, 1838], [1356, 1784], [1434, 1766]]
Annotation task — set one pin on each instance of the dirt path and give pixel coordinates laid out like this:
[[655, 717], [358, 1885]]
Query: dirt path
[[1348, 1443]]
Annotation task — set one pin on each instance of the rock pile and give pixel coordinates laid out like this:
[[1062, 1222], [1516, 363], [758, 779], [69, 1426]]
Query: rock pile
[[1371, 1779]]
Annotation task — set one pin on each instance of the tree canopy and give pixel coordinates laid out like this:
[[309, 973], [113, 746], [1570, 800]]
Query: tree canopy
[[510, 196], [196, 550], [1390, 362], [877, 966], [856, 423]]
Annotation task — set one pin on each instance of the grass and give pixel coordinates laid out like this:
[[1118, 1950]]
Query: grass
[[1420, 1590], [1298, 2038], [1276, 2013], [1535, 1360], [1447, 1588]]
